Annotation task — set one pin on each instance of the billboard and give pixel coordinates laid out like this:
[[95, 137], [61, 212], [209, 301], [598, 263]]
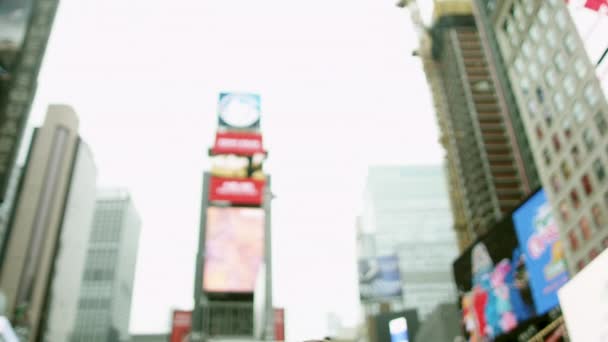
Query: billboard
[[379, 278], [236, 191], [235, 166], [584, 302], [279, 324], [239, 111], [234, 249], [24, 30], [538, 235], [493, 284], [398, 329], [181, 326], [239, 143]]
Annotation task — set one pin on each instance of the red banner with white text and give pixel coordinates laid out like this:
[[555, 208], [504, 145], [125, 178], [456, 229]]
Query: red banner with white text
[[245, 191]]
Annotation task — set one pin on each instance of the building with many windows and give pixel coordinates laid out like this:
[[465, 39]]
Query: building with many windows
[[104, 306], [564, 113], [490, 166], [407, 213]]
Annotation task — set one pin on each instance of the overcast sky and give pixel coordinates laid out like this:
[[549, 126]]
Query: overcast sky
[[340, 91]]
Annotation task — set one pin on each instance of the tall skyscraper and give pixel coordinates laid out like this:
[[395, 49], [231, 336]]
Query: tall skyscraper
[[59, 174], [104, 307], [564, 113], [407, 211], [488, 159], [25, 26]]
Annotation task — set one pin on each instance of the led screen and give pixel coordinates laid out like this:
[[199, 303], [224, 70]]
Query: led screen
[[234, 249], [492, 281], [538, 236]]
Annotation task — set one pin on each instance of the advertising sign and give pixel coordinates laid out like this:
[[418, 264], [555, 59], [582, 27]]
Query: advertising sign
[[492, 281], [398, 330], [379, 278], [538, 235], [239, 111], [279, 324], [234, 249], [239, 143], [237, 191], [584, 302], [181, 326]]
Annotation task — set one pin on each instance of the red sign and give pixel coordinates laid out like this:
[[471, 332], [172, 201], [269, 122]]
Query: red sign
[[595, 5], [182, 324], [237, 191], [239, 143], [279, 324]]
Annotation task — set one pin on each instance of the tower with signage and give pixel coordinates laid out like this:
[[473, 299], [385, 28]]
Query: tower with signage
[[232, 291]]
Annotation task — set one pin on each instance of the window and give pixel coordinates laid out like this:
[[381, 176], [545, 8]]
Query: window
[[551, 37], [580, 265], [526, 49], [555, 183], [576, 201], [556, 143], [569, 85], [600, 123], [567, 126], [540, 95], [560, 61], [586, 181], [529, 7], [588, 139], [539, 132], [543, 15], [598, 216], [525, 85], [593, 254], [576, 155], [532, 108], [563, 210], [547, 156], [580, 67], [535, 33], [561, 19], [570, 43], [573, 239], [520, 66], [566, 172], [548, 117], [543, 57], [550, 77], [534, 71], [585, 228], [558, 100], [598, 169], [591, 95], [579, 112]]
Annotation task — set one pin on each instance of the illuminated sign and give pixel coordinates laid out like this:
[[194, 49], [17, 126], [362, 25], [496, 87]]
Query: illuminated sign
[[239, 143], [234, 249], [237, 191]]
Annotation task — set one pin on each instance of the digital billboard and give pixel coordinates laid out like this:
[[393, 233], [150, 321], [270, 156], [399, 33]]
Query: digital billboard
[[584, 302], [379, 278], [237, 191], [234, 249], [493, 284], [538, 235]]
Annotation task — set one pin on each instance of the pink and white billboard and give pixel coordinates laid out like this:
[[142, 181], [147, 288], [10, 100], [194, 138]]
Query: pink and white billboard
[[234, 249]]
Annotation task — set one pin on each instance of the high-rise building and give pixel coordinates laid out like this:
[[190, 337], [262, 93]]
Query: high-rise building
[[407, 211], [52, 197], [488, 159], [104, 306], [6, 207], [24, 30], [563, 110]]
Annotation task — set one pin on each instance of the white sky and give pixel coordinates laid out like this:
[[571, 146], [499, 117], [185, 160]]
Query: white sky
[[339, 90]]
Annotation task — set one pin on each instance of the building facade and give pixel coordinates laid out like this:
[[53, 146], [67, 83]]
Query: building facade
[[488, 159], [35, 226], [407, 211], [104, 306], [564, 113]]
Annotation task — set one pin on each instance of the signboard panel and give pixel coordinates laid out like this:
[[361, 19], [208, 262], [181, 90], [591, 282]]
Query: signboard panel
[[279, 324], [538, 235], [239, 111], [237, 191], [239, 143], [379, 278], [234, 249], [181, 326]]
